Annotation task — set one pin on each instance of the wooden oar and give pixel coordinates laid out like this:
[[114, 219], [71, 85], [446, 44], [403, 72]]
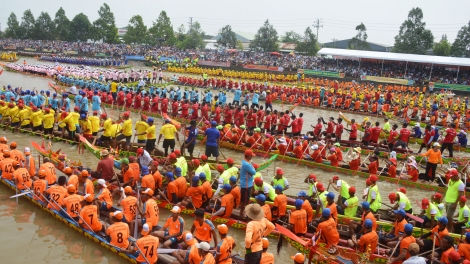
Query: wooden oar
[[20, 194], [393, 252]]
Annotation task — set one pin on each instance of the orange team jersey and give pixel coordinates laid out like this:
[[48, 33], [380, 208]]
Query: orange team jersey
[[224, 248], [18, 156], [281, 203], [152, 213], [149, 245], [298, 219], [227, 202], [464, 250], [7, 168], [182, 185], [23, 180], [51, 176], [148, 182], [175, 226], [329, 233], [207, 190], [334, 211], [370, 238], [208, 259], [308, 209], [119, 232], [404, 244], [370, 216], [267, 212], [89, 214], [39, 187], [267, 258], [129, 207], [127, 176], [29, 164], [399, 227], [157, 177], [203, 232], [135, 169], [192, 255], [441, 234], [170, 190], [236, 193], [73, 180], [72, 204], [89, 187], [56, 193], [105, 196], [196, 195]]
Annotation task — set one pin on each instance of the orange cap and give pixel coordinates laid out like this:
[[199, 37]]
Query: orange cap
[[15, 163], [71, 189], [13, 144], [223, 229], [117, 214], [89, 198], [265, 242], [6, 153], [42, 174], [68, 170], [84, 173], [298, 258], [128, 190]]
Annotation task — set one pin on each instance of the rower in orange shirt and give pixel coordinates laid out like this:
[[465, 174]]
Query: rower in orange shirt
[[21, 177], [16, 154], [171, 188], [118, 231], [151, 243], [40, 186], [306, 204], [72, 203], [328, 231], [261, 200], [104, 201], [333, 158], [330, 203], [203, 229], [370, 238], [298, 219], [85, 185], [147, 179], [225, 247], [392, 237], [194, 194], [280, 203], [227, 203], [6, 165], [49, 167], [175, 225], [57, 193], [129, 204], [89, 215]]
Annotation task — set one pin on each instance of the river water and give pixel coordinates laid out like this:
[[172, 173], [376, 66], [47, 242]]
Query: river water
[[32, 235]]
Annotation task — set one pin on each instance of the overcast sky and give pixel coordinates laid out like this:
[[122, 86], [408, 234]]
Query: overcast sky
[[339, 18]]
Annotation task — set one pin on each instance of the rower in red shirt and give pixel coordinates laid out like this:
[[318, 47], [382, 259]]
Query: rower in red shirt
[[428, 136], [317, 129], [404, 137], [375, 133], [339, 129], [333, 158], [373, 165], [448, 142], [393, 136], [353, 130]]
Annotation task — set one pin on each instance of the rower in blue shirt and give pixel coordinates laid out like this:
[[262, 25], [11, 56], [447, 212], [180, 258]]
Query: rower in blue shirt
[[34, 99], [255, 99], [54, 102], [236, 97], [417, 131], [95, 102], [208, 97]]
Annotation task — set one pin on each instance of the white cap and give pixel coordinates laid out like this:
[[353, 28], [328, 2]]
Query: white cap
[[315, 146], [145, 228], [417, 125], [436, 144], [204, 246], [282, 140], [27, 149], [86, 195], [147, 190], [188, 237], [102, 182]]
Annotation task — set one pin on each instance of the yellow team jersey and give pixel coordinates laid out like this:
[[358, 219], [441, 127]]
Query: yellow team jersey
[[95, 123], [48, 120], [36, 118], [107, 127], [168, 131], [24, 114], [86, 126], [127, 128], [141, 127], [151, 132]]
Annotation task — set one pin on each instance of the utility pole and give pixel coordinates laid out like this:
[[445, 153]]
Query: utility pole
[[190, 24], [318, 24]]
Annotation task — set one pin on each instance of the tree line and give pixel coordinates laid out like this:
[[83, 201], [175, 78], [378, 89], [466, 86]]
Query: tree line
[[413, 37]]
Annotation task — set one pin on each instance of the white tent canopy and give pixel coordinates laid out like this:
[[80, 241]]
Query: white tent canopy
[[396, 57]]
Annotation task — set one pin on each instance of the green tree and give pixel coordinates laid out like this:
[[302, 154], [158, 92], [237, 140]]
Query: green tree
[[136, 31], [162, 31], [27, 25], [61, 25], [80, 28], [105, 26], [413, 36], [227, 38], [461, 45], [291, 37], [265, 39], [239, 45], [193, 39], [44, 27], [442, 48], [309, 45], [359, 42], [13, 30]]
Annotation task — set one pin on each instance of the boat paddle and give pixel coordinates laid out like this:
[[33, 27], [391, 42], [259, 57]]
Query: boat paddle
[[163, 195], [20, 194], [395, 248]]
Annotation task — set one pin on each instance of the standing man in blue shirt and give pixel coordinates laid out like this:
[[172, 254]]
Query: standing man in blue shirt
[[255, 99], [236, 97], [212, 141], [190, 142], [247, 172]]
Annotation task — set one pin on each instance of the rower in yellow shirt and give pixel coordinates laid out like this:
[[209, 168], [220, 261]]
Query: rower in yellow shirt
[[48, 121], [85, 126], [70, 126], [95, 123], [36, 119], [140, 129]]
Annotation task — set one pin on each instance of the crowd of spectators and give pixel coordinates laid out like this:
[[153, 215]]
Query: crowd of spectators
[[419, 73]]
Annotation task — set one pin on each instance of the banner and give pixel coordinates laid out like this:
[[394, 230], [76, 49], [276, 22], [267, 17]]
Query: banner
[[263, 68], [456, 87], [13, 47], [214, 63], [72, 52], [321, 73], [386, 80]]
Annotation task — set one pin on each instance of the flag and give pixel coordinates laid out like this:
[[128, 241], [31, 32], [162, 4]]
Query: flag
[[315, 237]]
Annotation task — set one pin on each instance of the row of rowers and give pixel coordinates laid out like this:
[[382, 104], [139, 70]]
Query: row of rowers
[[88, 207]]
